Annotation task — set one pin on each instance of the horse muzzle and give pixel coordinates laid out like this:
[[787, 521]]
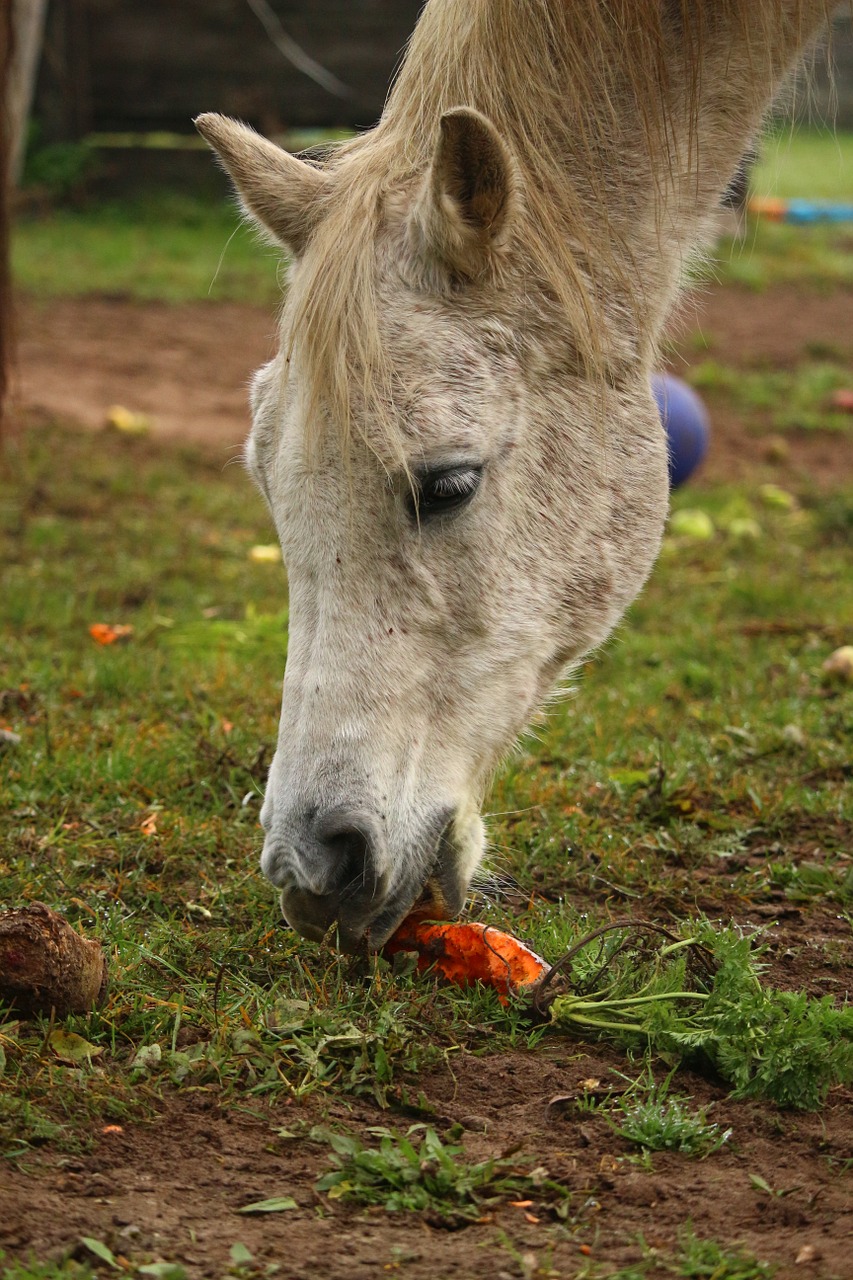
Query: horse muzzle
[[332, 872]]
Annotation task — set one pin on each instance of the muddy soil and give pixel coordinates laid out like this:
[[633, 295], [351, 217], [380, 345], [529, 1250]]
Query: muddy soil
[[172, 1188]]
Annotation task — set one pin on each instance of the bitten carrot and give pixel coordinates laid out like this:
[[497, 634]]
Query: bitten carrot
[[465, 953]]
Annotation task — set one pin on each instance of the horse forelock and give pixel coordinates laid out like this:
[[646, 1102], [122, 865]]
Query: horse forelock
[[600, 107]]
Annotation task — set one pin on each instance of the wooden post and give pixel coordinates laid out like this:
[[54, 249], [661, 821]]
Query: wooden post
[[28, 17], [5, 302]]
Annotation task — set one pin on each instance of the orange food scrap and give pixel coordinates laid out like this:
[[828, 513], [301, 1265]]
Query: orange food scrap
[[465, 953]]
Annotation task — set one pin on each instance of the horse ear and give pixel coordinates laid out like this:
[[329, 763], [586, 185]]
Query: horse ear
[[465, 205], [278, 191]]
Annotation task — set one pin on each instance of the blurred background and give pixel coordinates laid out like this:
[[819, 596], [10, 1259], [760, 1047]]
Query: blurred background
[[117, 201], [123, 78]]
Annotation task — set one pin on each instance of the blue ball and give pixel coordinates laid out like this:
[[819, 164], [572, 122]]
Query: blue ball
[[686, 423]]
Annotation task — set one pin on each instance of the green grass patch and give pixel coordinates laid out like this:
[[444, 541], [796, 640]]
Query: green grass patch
[[65, 1270], [703, 746], [803, 163], [166, 247], [806, 164], [417, 1172], [799, 399]]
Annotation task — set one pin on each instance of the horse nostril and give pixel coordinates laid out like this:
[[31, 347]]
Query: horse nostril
[[346, 842]]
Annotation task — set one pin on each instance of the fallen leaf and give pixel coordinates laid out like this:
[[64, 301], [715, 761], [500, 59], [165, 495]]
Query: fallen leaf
[[691, 523], [71, 1048], [265, 554], [843, 400], [772, 496], [106, 633], [744, 527], [276, 1205], [129, 423], [101, 1251]]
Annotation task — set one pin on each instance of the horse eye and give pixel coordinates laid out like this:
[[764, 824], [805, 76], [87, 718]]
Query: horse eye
[[442, 491]]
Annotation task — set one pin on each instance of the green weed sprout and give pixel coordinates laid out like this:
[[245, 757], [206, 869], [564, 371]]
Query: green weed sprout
[[402, 1173], [661, 1121], [700, 998]]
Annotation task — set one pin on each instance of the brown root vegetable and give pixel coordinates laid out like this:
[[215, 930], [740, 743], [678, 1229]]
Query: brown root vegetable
[[46, 965]]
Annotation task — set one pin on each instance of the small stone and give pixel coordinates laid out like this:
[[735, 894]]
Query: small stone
[[807, 1254], [793, 734], [474, 1124]]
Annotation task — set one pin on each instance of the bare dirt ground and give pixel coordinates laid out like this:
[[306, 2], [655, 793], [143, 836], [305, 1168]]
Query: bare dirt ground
[[172, 1187], [188, 366]]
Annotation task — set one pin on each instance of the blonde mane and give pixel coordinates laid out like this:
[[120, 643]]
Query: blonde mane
[[609, 111]]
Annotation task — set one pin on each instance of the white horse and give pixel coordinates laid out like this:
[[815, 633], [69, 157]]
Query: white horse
[[457, 440]]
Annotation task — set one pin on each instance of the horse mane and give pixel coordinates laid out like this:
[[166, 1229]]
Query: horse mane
[[602, 105]]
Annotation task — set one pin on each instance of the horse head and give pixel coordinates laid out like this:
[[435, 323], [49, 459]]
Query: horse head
[[473, 530]]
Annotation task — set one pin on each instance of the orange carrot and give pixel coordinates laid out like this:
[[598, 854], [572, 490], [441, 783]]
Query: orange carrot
[[465, 953]]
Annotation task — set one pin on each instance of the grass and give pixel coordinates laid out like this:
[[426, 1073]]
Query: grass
[[649, 1115], [805, 163], [167, 247], [132, 801], [669, 1123], [799, 399], [695, 1258], [417, 1172], [810, 164]]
